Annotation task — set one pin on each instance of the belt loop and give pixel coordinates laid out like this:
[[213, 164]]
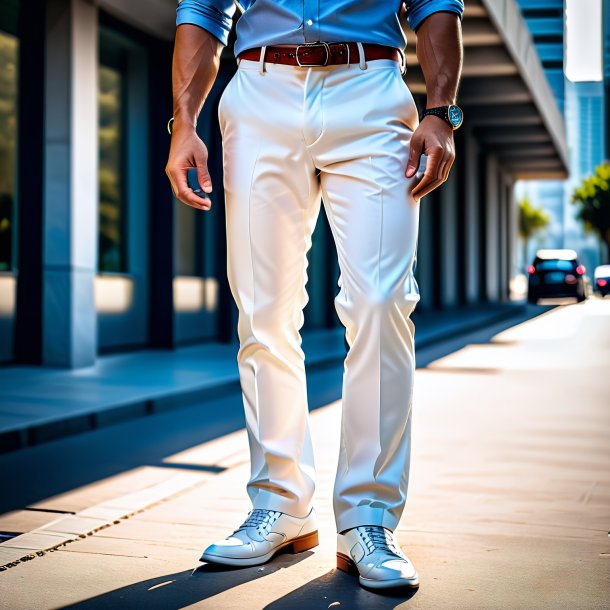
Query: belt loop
[[403, 61], [362, 64], [261, 61]]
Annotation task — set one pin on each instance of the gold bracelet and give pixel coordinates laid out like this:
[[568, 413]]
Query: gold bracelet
[[170, 125]]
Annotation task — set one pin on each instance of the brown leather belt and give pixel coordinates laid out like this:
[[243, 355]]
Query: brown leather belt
[[321, 53]]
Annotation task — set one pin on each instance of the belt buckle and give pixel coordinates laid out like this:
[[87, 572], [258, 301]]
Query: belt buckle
[[313, 44]]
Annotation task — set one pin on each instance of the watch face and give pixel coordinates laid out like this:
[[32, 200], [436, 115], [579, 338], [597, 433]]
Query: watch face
[[456, 116]]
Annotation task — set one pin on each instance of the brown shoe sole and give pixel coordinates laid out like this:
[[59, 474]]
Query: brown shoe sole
[[301, 543], [296, 545], [345, 564]]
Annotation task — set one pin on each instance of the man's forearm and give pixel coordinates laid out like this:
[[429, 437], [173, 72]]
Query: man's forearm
[[439, 51], [195, 66]]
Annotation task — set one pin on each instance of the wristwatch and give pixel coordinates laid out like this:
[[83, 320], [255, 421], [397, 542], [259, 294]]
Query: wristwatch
[[451, 114]]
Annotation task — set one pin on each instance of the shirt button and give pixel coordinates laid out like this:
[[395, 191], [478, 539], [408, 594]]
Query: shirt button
[[309, 22]]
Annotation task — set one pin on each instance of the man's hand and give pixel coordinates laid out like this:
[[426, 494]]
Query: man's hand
[[188, 150], [434, 138], [440, 54], [194, 69]]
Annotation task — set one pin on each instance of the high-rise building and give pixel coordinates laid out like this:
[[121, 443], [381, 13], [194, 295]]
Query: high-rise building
[[545, 20], [606, 59], [585, 131], [584, 105]]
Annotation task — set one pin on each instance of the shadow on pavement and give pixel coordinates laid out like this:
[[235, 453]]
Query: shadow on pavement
[[75, 461], [427, 354], [182, 589], [336, 589]]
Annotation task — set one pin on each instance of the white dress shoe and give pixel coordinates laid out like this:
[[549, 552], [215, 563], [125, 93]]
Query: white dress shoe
[[263, 534], [372, 552]]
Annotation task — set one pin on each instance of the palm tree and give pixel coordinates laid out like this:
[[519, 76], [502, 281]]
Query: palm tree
[[531, 221], [593, 200]]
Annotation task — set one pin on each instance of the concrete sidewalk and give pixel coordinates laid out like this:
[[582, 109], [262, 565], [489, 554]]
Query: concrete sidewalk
[[39, 404], [508, 504]]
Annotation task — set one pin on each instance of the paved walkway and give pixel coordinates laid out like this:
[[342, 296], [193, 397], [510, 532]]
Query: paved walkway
[[39, 404], [508, 507]]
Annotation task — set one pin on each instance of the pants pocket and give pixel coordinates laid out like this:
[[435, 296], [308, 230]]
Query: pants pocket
[[222, 102], [408, 109]]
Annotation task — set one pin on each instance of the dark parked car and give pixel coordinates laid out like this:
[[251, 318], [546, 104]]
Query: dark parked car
[[601, 280], [556, 273]]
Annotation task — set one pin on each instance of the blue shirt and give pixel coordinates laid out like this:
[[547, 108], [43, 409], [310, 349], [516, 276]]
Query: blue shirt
[[268, 22]]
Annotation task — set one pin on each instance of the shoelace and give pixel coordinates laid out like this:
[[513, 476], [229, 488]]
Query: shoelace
[[377, 538], [259, 517]]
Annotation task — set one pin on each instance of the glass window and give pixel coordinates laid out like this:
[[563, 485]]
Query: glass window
[[111, 102], [555, 265], [9, 48], [187, 253]]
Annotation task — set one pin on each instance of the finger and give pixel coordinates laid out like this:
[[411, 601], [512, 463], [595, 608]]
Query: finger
[[419, 193], [427, 188], [434, 168], [184, 193], [189, 198], [178, 178], [203, 206], [430, 175], [203, 176], [445, 165], [423, 184], [195, 201], [442, 171], [448, 166], [415, 152]]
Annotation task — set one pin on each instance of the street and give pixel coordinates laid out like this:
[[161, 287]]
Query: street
[[509, 497]]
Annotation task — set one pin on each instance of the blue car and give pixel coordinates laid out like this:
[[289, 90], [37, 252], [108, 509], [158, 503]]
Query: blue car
[[556, 273]]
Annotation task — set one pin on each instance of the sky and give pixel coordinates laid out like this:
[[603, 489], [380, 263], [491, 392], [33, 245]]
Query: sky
[[584, 40]]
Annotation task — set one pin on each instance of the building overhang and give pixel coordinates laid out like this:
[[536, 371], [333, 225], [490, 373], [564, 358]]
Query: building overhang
[[504, 92], [156, 17]]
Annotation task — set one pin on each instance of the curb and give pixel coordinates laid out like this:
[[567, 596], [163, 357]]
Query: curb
[[76, 423], [72, 528]]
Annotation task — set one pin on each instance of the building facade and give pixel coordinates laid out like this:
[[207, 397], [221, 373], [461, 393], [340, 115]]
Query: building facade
[[606, 59], [545, 20], [585, 107], [97, 255]]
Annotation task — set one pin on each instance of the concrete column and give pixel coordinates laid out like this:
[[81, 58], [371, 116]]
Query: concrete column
[[502, 237], [30, 151], [492, 245], [505, 236], [70, 185], [511, 208], [471, 221], [449, 242]]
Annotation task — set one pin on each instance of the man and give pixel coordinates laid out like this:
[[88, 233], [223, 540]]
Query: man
[[318, 110]]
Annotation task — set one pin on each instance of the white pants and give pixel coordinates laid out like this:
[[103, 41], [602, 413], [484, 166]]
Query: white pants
[[292, 135]]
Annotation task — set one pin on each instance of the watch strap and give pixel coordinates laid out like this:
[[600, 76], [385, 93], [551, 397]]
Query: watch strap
[[441, 112]]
